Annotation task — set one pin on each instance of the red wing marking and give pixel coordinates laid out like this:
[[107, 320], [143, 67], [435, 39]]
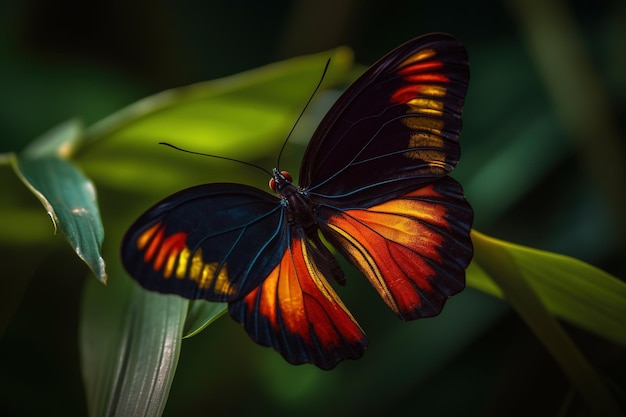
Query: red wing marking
[[421, 67], [296, 306]]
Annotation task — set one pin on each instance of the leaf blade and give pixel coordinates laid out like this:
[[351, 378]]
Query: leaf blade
[[68, 196], [131, 341], [245, 116], [201, 314], [571, 289], [497, 260]]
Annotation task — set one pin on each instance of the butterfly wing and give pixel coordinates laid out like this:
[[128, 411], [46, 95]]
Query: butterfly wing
[[413, 249], [394, 128], [296, 311], [230, 242], [377, 168], [215, 242]]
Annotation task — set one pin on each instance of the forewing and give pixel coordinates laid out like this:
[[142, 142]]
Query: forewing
[[394, 128], [296, 311], [413, 249], [215, 242]]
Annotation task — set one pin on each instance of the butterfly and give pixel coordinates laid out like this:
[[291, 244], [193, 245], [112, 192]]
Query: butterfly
[[373, 183]]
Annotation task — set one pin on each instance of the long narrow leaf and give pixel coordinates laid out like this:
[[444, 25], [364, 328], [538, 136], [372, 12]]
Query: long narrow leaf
[[499, 262], [131, 341], [246, 116], [571, 289]]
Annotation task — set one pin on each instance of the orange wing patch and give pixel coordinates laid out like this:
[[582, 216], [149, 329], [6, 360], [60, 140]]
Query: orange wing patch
[[399, 246], [296, 306]]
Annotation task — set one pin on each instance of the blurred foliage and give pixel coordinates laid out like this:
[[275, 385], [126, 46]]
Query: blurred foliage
[[543, 165]]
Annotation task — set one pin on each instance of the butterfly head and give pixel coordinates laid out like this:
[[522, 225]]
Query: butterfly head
[[279, 180]]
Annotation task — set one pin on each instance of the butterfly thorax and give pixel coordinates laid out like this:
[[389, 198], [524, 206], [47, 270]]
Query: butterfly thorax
[[300, 212], [298, 205]]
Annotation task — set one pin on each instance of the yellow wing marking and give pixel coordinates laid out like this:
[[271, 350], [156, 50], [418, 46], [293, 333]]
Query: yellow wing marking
[[419, 56], [222, 284], [424, 123], [427, 106], [427, 144], [433, 90], [204, 273], [183, 259]]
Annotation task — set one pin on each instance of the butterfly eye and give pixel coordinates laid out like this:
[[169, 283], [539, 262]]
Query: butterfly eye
[[286, 175], [272, 183]]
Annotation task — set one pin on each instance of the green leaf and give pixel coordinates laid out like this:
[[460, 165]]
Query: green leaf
[[513, 268], [130, 340], [59, 141], [245, 116], [68, 196], [201, 314], [571, 289], [22, 221]]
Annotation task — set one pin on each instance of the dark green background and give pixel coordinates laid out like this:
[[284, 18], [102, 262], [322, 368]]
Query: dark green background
[[61, 59]]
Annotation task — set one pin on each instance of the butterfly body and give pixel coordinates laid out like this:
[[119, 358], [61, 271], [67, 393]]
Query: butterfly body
[[296, 203], [373, 182], [300, 212]]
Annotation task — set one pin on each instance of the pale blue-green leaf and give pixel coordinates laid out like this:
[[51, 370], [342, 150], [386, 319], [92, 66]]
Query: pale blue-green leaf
[[60, 141], [130, 343], [67, 195], [22, 221]]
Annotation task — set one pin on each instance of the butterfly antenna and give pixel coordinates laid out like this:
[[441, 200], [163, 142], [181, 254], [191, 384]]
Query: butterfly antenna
[[319, 83], [217, 156]]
